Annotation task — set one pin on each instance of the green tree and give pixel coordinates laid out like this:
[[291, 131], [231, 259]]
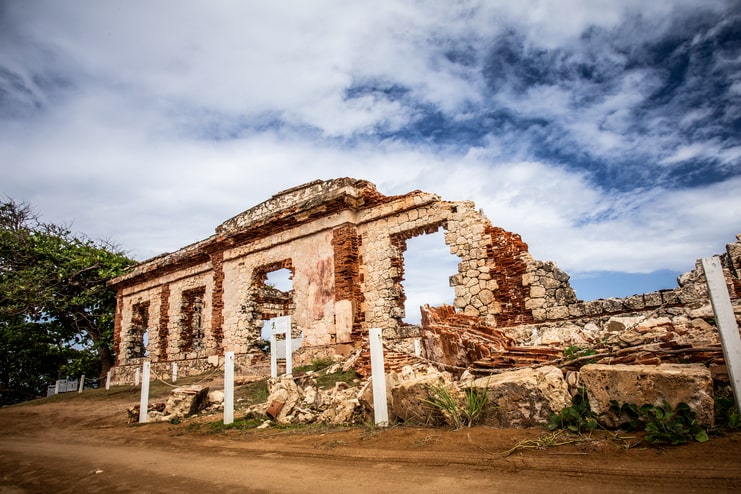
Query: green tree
[[56, 312]]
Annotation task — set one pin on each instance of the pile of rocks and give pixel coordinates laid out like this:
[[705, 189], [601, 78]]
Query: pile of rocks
[[299, 400], [524, 397], [182, 402]]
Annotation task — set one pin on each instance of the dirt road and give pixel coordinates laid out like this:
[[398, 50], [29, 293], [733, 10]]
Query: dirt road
[[80, 445]]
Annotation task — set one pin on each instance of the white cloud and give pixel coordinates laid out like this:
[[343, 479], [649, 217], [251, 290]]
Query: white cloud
[[153, 123]]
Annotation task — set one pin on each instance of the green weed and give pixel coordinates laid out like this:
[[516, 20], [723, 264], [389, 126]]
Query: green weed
[[576, 418], [457, 414], [663, 424]]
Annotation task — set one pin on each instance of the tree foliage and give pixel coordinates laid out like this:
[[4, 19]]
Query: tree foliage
[[56, 312]]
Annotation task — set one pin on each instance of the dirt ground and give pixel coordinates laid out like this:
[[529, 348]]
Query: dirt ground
[[83, 444]]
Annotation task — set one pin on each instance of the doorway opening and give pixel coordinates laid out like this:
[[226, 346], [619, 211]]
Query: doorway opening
[[428, 266]]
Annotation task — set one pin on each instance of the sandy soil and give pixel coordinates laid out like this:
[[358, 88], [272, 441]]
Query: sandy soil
[[82, 444]]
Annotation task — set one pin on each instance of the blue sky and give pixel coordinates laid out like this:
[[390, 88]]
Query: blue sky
[[607, 134]]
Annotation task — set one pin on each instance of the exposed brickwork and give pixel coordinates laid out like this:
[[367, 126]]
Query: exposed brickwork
[[191, 320], [217, 300], [118, 329], [346, 243], [164, 321], [506, 252], [457, 339], [139, 325]]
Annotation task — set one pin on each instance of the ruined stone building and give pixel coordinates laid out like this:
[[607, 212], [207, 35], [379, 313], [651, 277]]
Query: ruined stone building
[[343, 243]]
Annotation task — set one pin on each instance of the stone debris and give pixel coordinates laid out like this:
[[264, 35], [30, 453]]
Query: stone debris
[[182, 402], [408, 393], [524, 397], [298, 400], [649, 384]]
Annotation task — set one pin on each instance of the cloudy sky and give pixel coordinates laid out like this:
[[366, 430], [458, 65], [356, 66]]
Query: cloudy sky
[[606, 133]]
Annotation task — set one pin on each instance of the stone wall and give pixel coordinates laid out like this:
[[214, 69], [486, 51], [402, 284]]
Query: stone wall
[[344, 243]]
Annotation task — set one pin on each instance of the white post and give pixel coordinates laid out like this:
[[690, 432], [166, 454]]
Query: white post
[[417, 347], [108, 380], [228, 387], [289, 351], [136, 377], [82, 383], [273, 355], [726, 321], [378, 376], [144, 400], [56, 387], [174, 372]]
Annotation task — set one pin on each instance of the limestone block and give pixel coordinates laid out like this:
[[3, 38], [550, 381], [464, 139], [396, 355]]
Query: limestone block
[[702, 325], [537, 291], [577, 310], [284, 395], [539, 315], [559, 312], [550, 282], [342, 406], [648, 384], [652, 299], [704, 312], [186, 400], [529, 279], [408, 394], [525, 397], [216, 396], [534, 303], [652, 323], [619, 324], [635, 302], [486, 296], [470, 310]]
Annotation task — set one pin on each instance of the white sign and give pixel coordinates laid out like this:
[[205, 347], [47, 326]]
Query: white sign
[[272, 328]]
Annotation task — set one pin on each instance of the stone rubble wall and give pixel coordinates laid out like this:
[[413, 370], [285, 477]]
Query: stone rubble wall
[[343, 243]]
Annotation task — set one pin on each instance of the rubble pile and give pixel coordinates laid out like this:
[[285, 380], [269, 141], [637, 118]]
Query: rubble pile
[[299, 400], [182, 402]]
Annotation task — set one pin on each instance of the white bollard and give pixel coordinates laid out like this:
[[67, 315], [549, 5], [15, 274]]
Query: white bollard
[[174, 372], [108, 380], [289, 351], [726, 321], [136, 377], [273, 356], [378, 376], [144, 400], [82, 383], [417, 347], [228, 387]]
